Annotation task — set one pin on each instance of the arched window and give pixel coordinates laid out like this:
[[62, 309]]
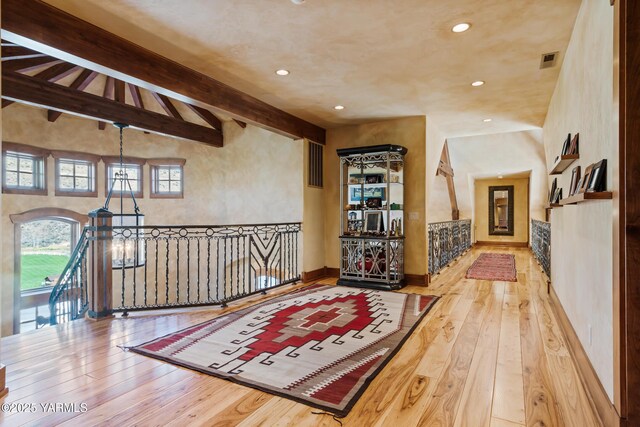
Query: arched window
[[44, 240]]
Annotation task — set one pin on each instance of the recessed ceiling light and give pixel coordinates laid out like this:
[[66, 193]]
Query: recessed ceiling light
[[477, 83], [487, 120], [339, 107], [461, 28], [297, 1], [282, 72], [499, 176]]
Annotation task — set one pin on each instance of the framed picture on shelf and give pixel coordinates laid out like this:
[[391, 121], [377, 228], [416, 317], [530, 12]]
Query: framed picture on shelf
[[557, 195], [355, 193], [552, 193], [374, 178], [374, 203], [597, 179], [565, 146], [575, 178], [585, 179], [372, 222], [574, 147]]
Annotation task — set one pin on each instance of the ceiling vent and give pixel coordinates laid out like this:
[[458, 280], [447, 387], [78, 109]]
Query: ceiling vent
[[548, 60]]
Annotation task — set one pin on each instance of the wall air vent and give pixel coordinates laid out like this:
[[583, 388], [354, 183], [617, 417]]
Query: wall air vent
[[548, 60]]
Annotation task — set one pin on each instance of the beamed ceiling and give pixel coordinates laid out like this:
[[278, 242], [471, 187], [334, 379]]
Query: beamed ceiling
[[30, 76], [380, 58]]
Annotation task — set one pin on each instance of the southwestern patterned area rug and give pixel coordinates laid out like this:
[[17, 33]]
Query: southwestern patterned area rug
[[321, 345], [493, 267]]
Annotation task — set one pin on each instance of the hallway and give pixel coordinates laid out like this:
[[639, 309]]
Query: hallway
[[489, 353]]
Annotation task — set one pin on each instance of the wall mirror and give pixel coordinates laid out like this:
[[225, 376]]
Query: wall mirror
[[501, 210]]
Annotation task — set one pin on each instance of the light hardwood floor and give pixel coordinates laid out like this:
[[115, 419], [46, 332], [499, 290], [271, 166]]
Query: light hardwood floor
[[488, 354]]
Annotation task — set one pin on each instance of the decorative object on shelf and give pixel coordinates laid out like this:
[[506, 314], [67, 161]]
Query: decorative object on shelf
[[373, 222], [565, 145], [575, 180], [552, 193], [374, 203], [372, 244], [598, 177], [557, 196], [585, 179], [574, 147], [373, 178], [356, 193]]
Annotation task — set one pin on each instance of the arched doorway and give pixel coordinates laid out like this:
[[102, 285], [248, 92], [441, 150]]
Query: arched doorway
[[44, 240]]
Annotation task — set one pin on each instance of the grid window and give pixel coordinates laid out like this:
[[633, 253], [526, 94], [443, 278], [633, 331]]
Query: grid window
[[23, 172], [75, 176], [166, 181], [132, 173]]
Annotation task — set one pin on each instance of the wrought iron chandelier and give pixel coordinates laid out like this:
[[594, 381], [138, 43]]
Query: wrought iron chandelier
[[127, 242]]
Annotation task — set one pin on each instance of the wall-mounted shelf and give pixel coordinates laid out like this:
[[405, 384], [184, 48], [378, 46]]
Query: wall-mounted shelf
[[583, 197], [554, 205], [563, 163]]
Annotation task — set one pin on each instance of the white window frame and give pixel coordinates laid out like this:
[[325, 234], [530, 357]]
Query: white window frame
[[127, 164], [37, 156], [74, 161], [155, 165]]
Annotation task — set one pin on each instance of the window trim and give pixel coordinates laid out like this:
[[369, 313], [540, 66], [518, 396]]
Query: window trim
[[154, 164], [93, 159], [115, 161], [36, 152]]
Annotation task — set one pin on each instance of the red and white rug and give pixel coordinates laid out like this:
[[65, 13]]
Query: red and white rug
[[321, 345], [494, 267]]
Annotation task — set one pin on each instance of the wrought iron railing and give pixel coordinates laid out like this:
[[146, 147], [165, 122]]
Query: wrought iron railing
[[69, 297], [447, 241], [184, 266], [156, 267], [541, 244]]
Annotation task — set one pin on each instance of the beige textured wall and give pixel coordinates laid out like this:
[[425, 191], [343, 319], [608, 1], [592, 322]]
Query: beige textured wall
[[313, 219], [408, 132], [520, 208], [581, 243], [257, 177], [487, 156]]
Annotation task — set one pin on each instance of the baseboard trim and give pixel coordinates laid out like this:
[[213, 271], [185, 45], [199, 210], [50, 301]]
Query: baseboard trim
[[417, 279], [605, 409], [509, 244], [333, 272], [310, 276]]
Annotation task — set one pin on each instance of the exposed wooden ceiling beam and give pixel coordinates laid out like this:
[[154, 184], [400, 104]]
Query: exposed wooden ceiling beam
[[166, 105], [118, 91], [51, 74], [107, 93], [18, 87], [207, 116], [39, 26], [14, 52], [240, 123], [26, 65], [80, 83], [135, 95], [57, 72]]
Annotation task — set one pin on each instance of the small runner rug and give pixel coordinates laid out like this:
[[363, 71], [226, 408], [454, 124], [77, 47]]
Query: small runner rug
[[321, 345], [493, 267]]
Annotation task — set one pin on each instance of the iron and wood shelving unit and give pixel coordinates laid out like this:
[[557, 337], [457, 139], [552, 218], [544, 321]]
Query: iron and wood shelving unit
[[372, 216]]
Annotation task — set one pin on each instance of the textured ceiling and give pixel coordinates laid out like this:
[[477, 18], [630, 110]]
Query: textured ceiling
[[380, 58]]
